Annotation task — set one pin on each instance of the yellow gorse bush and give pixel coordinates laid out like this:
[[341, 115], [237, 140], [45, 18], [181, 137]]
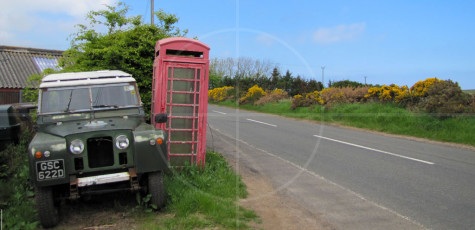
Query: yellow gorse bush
[[420, 88], [219, 94], [332, 94], [389, 93], [278, 91], [315, 95], [297, 96], [253, 94]]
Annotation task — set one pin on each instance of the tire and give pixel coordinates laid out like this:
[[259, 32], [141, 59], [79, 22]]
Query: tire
[[156, 189], [47, 211]]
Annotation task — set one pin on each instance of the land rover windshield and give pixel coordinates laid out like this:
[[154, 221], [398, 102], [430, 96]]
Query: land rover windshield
[[86, 98]]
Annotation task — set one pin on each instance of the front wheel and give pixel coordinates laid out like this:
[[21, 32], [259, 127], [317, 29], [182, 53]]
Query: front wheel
[[156, 189], [47, 211]]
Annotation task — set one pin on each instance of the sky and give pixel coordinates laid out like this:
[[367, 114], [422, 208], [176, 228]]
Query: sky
[[388, 42]]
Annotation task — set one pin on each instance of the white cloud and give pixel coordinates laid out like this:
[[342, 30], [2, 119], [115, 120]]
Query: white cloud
[[265, 40], [339, 33], [23, 22]]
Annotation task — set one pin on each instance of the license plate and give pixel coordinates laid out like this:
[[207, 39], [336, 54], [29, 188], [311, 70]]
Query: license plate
[[50, 170]]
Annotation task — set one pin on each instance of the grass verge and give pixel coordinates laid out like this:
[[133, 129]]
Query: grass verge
[[203, 199], [389, 118]]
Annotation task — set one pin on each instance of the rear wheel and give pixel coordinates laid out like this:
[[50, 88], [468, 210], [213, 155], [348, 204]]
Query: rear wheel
[[156, 189], [47, 211]]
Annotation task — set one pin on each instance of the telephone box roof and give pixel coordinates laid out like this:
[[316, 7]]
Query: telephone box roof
[[182, 45]]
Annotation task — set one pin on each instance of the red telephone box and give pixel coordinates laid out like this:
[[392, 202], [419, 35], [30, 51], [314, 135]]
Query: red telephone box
[[180, 89]]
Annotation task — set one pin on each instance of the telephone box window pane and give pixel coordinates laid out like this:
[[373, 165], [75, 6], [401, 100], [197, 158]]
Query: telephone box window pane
[[182, 98], [180, 148], [197, 86], [181, 136], [169, 72], [198, 74], [186, 86], [184, 73], [182, 111], [182, 123]]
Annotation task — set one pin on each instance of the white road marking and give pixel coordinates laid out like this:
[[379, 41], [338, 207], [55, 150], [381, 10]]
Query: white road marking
[[260, 122], [219, 112], [376, 150]]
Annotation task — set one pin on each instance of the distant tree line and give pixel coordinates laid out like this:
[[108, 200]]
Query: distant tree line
[[243, 73]]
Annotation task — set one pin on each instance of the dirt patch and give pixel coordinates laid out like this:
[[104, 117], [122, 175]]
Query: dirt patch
[[111, 211]]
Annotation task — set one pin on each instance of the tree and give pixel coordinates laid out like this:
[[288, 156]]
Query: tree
[[345, 83], [286, 82], [275, 78], [128, 45], [313, 85], [298, 86]]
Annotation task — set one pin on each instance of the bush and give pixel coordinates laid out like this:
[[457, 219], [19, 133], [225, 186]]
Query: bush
[[15, 191], [219, 94], [445, 99], [252, 95], [274, 96], [421, 87], [391, 93], [300, 101]]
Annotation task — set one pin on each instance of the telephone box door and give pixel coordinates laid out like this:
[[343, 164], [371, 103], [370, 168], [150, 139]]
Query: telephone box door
[[186, 112]]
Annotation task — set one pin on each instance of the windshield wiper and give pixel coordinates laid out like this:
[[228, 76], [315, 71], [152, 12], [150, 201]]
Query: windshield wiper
[[69, 103]]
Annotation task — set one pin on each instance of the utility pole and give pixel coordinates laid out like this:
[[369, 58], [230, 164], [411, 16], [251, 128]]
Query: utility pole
[[364, 80], [323, 73], [151, 13]]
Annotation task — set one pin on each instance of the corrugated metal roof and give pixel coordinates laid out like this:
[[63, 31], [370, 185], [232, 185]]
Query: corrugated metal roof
[[19, 63]]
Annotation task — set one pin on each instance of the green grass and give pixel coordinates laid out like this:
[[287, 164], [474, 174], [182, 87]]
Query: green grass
[[16, 193], [389, 118], [471, 91], [204, 198]]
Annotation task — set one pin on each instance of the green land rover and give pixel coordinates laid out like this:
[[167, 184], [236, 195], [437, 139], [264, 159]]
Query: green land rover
[[92, 138]]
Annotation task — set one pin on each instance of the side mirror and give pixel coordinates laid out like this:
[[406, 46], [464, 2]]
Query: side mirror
[[161, 118]]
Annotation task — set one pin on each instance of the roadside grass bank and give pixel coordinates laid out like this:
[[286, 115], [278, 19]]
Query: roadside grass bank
[[203, 199], [389, 118]]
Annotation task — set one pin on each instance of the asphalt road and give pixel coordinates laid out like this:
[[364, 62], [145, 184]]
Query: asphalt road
[[429, 183]]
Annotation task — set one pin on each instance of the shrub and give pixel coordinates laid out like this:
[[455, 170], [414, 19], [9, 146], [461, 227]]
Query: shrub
[[15, 190], [274, 96], [445, 99], [332, 95], [219, 94], [391, 93], [315, 95], [252, 95], [353, 95], [300, 101], [421, 87]]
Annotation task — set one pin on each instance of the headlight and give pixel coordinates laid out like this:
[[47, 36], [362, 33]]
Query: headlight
[[76, 146], [121, 142]]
